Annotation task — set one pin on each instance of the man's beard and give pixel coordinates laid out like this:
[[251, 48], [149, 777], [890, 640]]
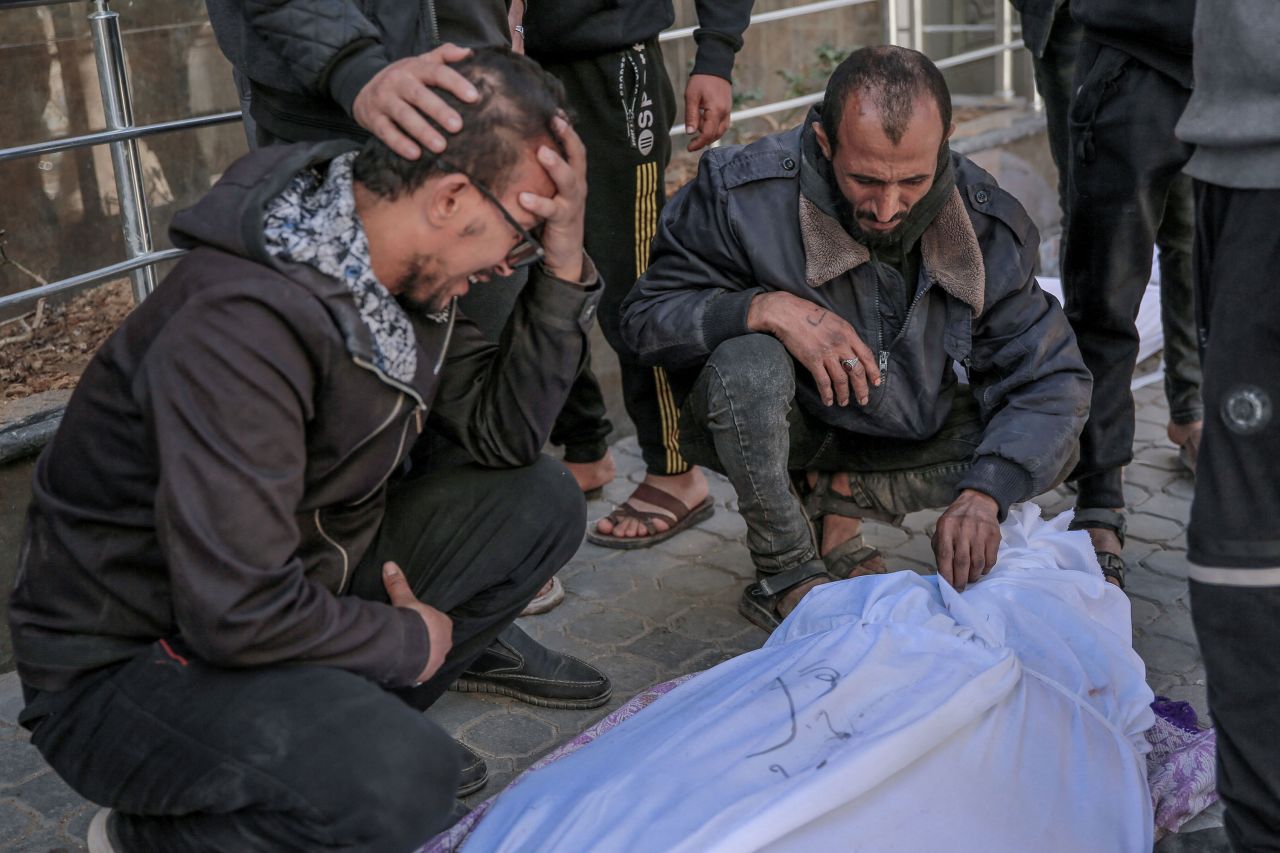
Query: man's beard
[[422, 275], [865, 236], [877, 239]]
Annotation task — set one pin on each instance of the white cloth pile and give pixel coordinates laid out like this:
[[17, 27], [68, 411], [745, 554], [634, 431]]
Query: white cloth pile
[[887, 713]]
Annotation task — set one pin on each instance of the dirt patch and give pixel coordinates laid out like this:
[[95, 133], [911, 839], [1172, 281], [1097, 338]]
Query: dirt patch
[[47, 349]]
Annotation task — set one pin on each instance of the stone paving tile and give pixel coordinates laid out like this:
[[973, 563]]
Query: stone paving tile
[[700, 581], [666, 647], [1175, 624], [650, 599], [709, 623], [1164, 655], [1160, 456], [1144, 583], [1170, 507], [20, 760], [1152, 528], [10, 700], [1146, 431], [519, 736], [649, 615], [1152, 478], [609, 627], [1143, 612], [46, 795], [1171, 562], [16, 823]]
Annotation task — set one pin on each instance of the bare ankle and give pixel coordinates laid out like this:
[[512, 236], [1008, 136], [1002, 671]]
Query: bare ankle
[[791, 598]]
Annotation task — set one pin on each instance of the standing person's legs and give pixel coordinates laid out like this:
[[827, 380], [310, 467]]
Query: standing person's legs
[[1234, 535], [1182, 375], [1124, 158], [625, 106], [478, 543], [1054, 72], [296, 757]]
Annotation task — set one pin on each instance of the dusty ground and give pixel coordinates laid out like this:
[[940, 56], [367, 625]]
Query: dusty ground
[[47, 349]]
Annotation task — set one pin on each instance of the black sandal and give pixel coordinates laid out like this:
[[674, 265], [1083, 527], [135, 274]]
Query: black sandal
[[848, 559], [1111, 563], [759, 602]]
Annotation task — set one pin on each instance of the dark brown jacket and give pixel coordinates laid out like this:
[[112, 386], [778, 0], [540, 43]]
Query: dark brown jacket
[[223, 464]]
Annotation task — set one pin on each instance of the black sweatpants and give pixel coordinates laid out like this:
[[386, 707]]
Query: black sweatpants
[[1234, 535], [624, 107], [302, 757], [1126, 195]]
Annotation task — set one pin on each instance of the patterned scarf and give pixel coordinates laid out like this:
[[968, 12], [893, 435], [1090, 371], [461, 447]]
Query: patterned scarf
[[314, 222]]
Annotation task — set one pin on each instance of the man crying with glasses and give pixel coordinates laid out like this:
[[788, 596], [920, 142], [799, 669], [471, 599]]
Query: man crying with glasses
[[241, 582]]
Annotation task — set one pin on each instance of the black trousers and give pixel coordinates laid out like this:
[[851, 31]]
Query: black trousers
[[1234, 535], [1054, 70], [1127, 194], [624, 106], [302, 757]]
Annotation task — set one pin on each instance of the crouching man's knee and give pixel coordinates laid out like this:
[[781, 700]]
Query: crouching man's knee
[[748, 381], [750, 366]]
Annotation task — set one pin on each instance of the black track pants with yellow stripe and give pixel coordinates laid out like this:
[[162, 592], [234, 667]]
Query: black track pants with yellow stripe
[[624, 107]]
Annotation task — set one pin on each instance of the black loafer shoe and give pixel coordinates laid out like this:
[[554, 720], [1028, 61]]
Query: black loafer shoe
[[475, 773], [518, 666]]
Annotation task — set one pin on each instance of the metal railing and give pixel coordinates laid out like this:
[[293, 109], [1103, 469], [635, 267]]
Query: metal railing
[[122, 134], [892, 34]]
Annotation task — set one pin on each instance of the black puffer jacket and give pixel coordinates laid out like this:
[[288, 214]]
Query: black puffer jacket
[[223, 463], [308, 59], [744, 226]]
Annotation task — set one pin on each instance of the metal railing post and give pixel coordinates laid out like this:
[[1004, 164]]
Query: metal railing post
[[917, 25], [1037, 102], [1004, 61], [889, 17], [117, 107]]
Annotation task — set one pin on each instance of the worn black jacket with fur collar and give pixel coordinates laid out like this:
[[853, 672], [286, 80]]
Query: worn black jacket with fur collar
[[744, 226], [223, 464]]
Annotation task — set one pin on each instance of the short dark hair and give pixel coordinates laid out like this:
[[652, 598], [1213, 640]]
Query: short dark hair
[[893, 78], [517, 103]]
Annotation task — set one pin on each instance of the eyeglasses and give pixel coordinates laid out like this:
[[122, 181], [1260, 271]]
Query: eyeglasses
[[525, 253]]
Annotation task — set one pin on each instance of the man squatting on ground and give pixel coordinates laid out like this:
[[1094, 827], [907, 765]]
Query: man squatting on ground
[[858, 247], [233, 599]]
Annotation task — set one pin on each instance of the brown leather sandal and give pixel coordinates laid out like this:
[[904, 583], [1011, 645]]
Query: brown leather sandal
[[677, 515]]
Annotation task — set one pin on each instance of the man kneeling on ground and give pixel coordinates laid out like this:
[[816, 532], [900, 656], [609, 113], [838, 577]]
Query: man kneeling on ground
[[229, 562], [860, 249]]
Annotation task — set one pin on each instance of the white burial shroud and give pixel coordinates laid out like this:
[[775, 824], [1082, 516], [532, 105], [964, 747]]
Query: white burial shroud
[[887, 713]]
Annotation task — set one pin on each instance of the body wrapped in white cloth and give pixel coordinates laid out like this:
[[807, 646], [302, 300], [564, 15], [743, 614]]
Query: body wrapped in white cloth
[[887, 713]]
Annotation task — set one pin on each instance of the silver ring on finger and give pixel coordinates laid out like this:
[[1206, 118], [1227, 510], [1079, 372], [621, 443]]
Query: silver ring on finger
[[850, 363]]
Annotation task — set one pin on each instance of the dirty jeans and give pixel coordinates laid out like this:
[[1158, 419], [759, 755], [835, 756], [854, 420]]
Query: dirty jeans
[[741, 419], [297, 756]]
